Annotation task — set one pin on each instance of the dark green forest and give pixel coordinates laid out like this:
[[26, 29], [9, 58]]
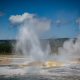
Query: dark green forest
[[5, 47]]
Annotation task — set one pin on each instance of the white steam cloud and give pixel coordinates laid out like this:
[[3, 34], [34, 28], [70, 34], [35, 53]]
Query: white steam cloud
[[70, 50], [40, 24]]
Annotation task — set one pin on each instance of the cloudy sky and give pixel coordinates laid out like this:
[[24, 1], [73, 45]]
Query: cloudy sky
[[53, 18]]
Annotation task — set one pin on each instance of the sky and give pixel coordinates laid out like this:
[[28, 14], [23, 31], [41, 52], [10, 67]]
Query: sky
[[63, 14]]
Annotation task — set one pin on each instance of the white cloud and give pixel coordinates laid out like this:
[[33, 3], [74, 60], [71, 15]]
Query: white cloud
[[39, 24]]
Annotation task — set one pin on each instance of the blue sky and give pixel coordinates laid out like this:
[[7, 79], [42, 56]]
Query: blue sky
[[66, 11]]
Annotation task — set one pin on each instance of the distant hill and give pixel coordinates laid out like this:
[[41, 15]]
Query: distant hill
[[6, 45]]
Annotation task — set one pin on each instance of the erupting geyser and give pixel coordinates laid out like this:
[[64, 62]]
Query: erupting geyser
[[28, 42]]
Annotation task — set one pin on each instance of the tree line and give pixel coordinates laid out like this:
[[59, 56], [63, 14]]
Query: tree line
[[5, 48]]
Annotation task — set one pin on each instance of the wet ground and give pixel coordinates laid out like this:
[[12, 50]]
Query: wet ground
[[71, 72], [14, 72], [41, 77]]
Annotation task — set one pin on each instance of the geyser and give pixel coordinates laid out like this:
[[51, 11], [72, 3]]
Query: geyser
[[28, 42]]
